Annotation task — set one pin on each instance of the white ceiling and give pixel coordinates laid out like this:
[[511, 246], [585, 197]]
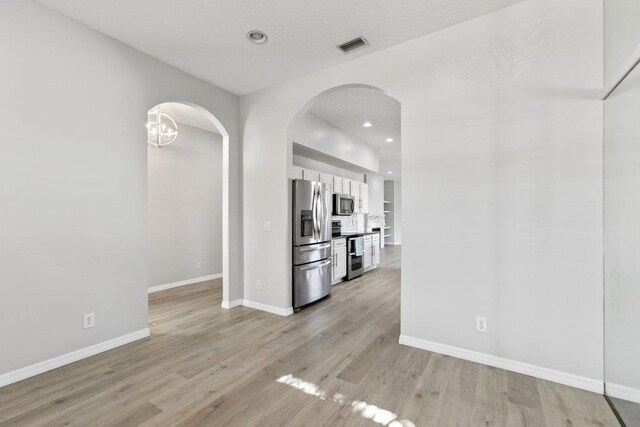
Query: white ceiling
[[182, 113], [207, 38], [347, 109]]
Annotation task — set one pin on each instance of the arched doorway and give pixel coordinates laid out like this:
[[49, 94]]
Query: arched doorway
[[349, 137], [197, 116]]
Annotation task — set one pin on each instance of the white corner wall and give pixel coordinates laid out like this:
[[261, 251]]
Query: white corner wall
[[502, 183], [185, 208], [73, 199]]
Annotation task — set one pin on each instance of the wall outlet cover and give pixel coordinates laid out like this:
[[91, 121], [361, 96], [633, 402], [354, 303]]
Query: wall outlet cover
[[481, 324], [88, 320], [258, 284], [267, 226]]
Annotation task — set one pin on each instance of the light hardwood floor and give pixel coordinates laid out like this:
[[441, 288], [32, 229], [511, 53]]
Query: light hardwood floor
[[335, 363]]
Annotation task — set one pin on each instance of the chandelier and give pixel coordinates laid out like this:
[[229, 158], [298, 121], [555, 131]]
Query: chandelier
[[161, 128]]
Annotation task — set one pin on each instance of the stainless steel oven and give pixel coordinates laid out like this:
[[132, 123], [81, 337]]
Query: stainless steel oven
[[343, 204], [355, 257]]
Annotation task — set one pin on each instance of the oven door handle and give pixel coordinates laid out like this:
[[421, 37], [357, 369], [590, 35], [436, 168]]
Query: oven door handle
[[324, 264]]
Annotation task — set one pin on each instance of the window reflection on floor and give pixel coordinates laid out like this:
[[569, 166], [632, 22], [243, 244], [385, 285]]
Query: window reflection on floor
[[366, 410]]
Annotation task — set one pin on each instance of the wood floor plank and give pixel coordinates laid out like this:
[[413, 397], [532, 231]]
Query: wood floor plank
[[338, 362]]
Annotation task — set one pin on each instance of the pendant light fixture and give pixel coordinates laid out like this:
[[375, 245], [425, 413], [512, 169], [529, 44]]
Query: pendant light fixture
[[161, 128]]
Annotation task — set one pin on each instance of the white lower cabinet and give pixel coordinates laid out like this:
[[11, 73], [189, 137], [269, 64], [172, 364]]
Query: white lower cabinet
[[375, 248], [339, 259], [367, 251]]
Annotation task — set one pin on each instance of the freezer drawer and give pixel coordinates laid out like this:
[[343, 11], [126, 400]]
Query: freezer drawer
[[311, 253], [311, 282]]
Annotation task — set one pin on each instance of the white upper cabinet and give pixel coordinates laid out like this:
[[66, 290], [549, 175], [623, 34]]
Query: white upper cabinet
[[340, 185], [358, 190], [354, 189], [364, 197], [311, 175], [327, 179], [295, 172]]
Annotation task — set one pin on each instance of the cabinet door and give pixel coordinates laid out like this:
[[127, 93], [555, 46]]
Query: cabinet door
[[364, 198], [367, 251], [337, 185], [333, 261], [311, 175], [340, 266], [354, 191], [327, 179], [375, 248], [295, 172]]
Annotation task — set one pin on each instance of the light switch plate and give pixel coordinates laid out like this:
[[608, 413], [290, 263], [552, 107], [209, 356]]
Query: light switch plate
[[267, 226]]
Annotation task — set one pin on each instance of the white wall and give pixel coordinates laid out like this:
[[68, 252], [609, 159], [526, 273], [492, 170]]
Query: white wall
[[622, 34], [73, 199], [313, 132], [502, 182], [185, 207], [397, 212], [622, 237]]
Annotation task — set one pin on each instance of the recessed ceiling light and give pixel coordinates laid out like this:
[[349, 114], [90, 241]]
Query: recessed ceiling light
[[257, 37], [367, 124], [389, 172], [389, 140]]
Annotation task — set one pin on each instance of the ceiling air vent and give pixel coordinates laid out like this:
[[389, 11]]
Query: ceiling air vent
[[354, 44]]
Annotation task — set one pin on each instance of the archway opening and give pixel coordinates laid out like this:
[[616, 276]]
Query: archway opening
[[188, 199], [348, 138]]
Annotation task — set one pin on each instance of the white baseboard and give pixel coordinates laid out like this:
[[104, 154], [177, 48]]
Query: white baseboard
[[392, 243], [623, 392], [268, 308], [184, 282], [589, 384], [231, 304], [74, 356]]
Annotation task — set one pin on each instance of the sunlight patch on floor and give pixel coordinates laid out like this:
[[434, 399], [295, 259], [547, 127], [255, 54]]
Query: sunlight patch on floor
[[371, 412]]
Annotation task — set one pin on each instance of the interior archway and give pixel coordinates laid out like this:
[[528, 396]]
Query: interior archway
[[206, 116], [328, 138]]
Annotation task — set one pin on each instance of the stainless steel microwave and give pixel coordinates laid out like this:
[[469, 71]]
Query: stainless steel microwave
[[343, 204]]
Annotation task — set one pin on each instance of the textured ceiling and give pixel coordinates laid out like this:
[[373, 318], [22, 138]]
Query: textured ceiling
[[207, 38], [349, 108]]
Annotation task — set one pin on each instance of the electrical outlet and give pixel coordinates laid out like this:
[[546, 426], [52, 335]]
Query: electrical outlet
[[258, 284], [89, 320], [198, 264], [267, 226], [481, 324]]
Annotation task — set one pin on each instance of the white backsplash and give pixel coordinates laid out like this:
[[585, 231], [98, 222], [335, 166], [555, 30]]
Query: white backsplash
[[351, 223], [376, 221]]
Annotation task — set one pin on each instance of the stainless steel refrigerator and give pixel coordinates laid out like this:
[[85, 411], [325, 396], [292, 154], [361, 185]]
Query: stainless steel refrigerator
[[311, 242]]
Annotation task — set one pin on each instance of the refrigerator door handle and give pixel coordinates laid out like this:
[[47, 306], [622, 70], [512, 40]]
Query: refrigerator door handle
[[315, 248], [313, 213], [324, 264], [318, 211]]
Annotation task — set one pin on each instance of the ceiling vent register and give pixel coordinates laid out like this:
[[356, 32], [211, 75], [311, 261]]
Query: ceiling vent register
[[354, 44]]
